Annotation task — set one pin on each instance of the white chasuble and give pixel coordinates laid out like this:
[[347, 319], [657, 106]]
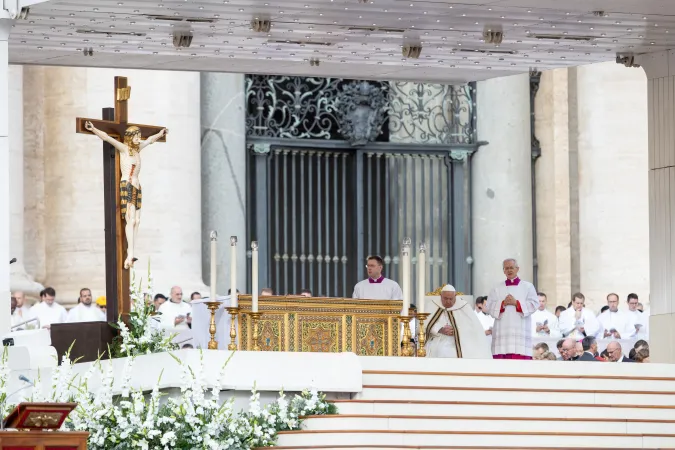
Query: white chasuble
[[469, 339], [84, 313], [512, 331]]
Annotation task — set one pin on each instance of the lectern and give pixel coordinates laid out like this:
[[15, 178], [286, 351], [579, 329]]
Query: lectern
[[31, 426]]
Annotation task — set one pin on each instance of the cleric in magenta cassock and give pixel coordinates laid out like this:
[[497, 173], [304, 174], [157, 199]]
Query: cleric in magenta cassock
[[512, 303], [377, 287]]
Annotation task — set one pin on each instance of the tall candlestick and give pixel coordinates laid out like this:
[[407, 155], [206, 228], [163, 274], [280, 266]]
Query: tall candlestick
[[214, 274], [421, 275], [234, 302], [405, 263], [254, 277]]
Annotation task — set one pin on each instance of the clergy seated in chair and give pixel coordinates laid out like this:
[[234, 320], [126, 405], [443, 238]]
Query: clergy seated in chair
[[454, 331]]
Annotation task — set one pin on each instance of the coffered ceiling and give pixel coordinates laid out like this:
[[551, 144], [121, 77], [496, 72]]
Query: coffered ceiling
[[346, 38]]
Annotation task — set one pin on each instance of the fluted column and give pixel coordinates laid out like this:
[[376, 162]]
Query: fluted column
[[20, 280], [613, 185], [553, 187], [5, 27], [223, 170], [660, 70], [501, 181], [169, 234]]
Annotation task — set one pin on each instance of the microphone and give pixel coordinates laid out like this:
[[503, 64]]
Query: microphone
[[12, 261], [23, 378]]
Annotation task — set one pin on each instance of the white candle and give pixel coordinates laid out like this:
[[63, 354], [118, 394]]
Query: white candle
[[214, 273], [254, 277], [405, 262], [233, 272], [421, 276]]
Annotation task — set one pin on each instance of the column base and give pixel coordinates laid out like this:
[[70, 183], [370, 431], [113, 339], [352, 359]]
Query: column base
[[19, 280], [662, 334]]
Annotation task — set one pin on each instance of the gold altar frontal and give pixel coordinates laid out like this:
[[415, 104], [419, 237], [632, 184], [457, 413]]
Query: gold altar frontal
[[317, 324]]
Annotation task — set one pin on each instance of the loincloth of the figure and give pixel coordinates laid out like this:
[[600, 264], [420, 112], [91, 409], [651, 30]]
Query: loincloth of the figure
[[129, 195]]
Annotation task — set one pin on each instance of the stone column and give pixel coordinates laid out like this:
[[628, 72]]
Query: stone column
[[19, 278], [613, 184], [169, 235], [5, 27], [501, 181], [660, 70], [223, 170], [553, 187]]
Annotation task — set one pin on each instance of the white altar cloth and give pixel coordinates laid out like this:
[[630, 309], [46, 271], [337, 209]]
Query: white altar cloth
[[201, 319]]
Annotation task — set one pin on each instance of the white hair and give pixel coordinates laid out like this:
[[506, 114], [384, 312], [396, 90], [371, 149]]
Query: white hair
[[515, 262]]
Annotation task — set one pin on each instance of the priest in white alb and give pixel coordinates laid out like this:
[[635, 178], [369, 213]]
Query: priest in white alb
[[639, 321], [512, 303], [454, 331], [377, 287], [614, 324], [48, 311], [86, 310], [577, 322], [544, 322], [175, 313]]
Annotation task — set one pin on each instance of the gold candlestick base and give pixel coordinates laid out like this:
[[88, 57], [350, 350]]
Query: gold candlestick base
[[234, 312], [406, 348], [255, 319], [421, 335], [213, 307]]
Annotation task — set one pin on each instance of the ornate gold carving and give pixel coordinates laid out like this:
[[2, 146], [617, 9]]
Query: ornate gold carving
[[43, 420], [123, 93], [438, 291], [371, 339]]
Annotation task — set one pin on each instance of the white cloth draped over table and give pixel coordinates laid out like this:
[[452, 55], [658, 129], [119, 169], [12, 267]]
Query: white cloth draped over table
[[201, 320], [84, 313], [569, 323], [49, 314], [512, 331], [469, 339]]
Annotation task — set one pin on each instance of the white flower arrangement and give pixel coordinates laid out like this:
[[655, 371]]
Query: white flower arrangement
[[142, 335], [194, 420]]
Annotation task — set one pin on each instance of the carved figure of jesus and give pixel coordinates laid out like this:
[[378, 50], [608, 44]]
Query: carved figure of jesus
[[130, 186]]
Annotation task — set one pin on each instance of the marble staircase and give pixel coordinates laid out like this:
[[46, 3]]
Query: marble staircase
[[409, 403]]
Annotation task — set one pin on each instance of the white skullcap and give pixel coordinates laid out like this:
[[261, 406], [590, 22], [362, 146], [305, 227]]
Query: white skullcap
[[448, 288]]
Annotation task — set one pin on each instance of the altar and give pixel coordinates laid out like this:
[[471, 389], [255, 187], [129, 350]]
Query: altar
[[317, 324]]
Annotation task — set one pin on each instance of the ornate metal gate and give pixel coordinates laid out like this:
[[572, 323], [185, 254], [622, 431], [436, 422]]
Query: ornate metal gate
[[319, 205]]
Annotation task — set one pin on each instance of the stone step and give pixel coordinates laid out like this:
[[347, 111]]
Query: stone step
[[541, 409]]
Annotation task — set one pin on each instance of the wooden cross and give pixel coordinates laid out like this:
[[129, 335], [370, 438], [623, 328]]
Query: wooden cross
[[115, 122]]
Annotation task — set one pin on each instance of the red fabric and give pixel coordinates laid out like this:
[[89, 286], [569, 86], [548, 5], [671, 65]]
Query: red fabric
[[518, 307], [511, 356], [514, 282], [379, 280]]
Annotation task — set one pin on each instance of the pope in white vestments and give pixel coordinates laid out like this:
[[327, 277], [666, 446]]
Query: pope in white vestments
[[578, 322], [454, 331], [512, 303], [377, 287], [86, 310], [544, 322]]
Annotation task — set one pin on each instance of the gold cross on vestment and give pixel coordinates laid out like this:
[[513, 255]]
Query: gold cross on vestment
[[115, 123]]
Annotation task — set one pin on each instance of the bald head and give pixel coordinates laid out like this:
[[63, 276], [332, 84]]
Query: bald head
[[176, 294], [614, 351], [20, 298]]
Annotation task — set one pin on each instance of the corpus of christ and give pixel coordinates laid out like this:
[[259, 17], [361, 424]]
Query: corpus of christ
[[340, 247]]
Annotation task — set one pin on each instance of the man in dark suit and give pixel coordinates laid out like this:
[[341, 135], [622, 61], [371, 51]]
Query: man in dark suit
[[615, 353], [589, 346]]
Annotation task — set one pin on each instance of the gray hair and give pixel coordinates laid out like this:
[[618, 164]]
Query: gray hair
[[509, 260]]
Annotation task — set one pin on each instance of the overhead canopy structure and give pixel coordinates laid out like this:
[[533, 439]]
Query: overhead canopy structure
[[457, 41]]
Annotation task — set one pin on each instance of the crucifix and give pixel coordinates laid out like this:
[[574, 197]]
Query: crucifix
[[122, 143]]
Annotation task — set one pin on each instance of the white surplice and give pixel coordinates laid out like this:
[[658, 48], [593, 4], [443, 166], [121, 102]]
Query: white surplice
[[547, 318], [84, 313], [170, 310], [512, 331], [638, 318], [21, 315], [469, 339], [619, 321], [570, 324], [381, 289], [49, 314]]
